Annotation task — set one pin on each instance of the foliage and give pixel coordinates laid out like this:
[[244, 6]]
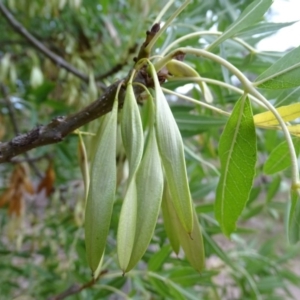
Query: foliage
[[239, 167]]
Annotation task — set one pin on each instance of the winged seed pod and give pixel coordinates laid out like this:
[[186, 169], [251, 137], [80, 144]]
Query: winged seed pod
[[169, 216], [132, 130], [172, 156], [180, 69], [102, 189], [149, 181], [133, 141], [192, 245], [127, 226]]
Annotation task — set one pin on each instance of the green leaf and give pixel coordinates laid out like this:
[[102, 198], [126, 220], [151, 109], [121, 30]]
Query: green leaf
[[156, 261], [253, 13], [288, 96], [263, 28], [279, 158], [273, 188], [294, 218], [237, 150], [283, 74], [191, 124]]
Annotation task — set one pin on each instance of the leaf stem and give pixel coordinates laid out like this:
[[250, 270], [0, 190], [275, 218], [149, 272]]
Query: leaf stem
[[166, 25], [249, 88], [215, 82], [206, 32], [163, 11], [218, 110]]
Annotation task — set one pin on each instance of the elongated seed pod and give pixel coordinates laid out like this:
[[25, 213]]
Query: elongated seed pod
[[192, 244], [170, 217], [127, 226], [149, 181], [172, 156], [102, 189], [132, 131], [180, 69], [133, 141]]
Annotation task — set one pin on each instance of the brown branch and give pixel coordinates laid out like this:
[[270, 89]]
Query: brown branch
[[76, 288], [118, 66], [59, 61], [60, 127]]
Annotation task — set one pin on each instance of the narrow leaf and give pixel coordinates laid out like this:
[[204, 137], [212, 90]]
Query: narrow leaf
[[294, 218], [237, 150], [191, 124], [172, 156], [102, 189], [294, 129], [284, 74], [288, 113], [157, 260], [279, 159], [273, 188], [288, 96], [264, 28], [252, 14]]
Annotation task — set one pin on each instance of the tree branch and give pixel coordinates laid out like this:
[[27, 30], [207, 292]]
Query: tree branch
[[60, 127], [118, 66], [76, 288], [59, 61]]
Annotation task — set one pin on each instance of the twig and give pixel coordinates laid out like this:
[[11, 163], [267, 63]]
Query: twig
[[59, 61], [13, 119], [118, 66], [76, 288], [59, 127]]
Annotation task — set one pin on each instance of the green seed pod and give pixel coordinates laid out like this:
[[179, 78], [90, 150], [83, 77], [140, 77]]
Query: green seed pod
[[132, 131], [102, 189], [169, 216], [192, 244], [180, 69], [127, 226], [133, 141], [172, 156], [149, 181]]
